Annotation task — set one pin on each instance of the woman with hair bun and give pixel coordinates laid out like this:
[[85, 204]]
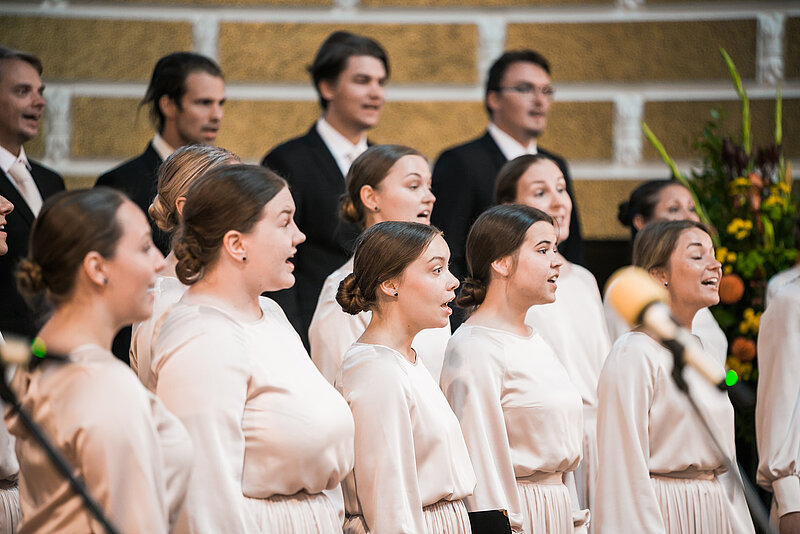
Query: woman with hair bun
[[658, 470], [411, 465], [665, 200], [519, 412], [270, 433], [574, 325], [91, 253], [385, 183], [175, 175]]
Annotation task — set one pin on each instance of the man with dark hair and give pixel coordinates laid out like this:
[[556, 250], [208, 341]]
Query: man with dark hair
[[518, 96], [25, 183], [185, 99], [349, 73]]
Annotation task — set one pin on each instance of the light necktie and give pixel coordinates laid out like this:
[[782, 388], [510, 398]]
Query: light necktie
[[26, 186]]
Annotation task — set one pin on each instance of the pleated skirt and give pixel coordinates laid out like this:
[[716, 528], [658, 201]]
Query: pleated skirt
[[301, 513], [9, 510], [443, 517], [692, 505], [546, 505]]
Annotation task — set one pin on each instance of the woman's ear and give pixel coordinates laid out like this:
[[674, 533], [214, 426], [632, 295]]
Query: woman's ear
[[369, 198], [389, 287], [94, 265], [179, 203], [234, 245], [660, 275], [503, 266], [638, 221]]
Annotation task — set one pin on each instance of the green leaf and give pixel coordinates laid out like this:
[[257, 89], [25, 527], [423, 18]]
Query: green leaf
[[769, 232], [778, 117], [737, 82]]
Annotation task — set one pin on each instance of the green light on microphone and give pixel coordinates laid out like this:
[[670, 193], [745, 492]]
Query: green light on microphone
[[38, 347], [731, 378]]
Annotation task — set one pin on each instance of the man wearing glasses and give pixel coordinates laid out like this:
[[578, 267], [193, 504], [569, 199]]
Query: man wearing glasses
[[518, 97]]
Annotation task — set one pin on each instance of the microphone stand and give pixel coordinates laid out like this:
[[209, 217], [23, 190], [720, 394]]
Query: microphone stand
[[60, 463], [757, 510]]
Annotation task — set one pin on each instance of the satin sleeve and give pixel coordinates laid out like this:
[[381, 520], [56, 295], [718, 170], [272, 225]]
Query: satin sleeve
[[202, 377], [626, 500], [472, 381], [385, 458], [778, 405]]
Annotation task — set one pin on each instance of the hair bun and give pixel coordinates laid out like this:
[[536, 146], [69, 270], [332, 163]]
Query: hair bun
[[30, 278], [163, 217], [348, 212], [472, 293], [350, 297], [188, 251]]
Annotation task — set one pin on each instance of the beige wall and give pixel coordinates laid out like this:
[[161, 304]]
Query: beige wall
[[614, 63]]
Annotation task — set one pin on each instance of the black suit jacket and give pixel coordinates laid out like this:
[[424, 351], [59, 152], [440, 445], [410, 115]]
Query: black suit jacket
[[138, 178], [15, 315], [317, 184], [463, 182]]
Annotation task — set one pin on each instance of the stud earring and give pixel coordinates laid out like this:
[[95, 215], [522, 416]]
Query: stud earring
[[377, 208], [105, 281], [244, 259], [666, 284], [395, 293]]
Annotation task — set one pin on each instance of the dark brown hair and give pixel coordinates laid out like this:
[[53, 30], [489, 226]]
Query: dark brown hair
[[370, 168], [655, 242], [505, 186], [383, 252], [642, 202], [229, 197], [498, 232], [69, 226], [7, 54]]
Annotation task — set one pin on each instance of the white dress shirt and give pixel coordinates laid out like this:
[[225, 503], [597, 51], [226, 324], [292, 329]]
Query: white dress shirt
[[161, 147], [510, 147], [344, 152], [7, 160]]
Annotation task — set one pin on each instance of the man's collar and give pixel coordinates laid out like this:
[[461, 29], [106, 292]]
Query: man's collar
[[7, 159], [509, 146], [161, 147], [336, 142]]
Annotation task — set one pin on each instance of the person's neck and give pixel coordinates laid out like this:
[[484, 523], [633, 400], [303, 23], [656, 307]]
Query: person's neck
[[227, 289], [501, 310], [12, 145], [391, 330], [171, 136], [76, 323], [684, 314], [348, 131]]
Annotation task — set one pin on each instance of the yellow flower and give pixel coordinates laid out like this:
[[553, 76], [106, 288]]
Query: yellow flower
[[740, 184], [731, 258], [740, 228], [774, 200], [782, 188], [722, 254], [728, 269]]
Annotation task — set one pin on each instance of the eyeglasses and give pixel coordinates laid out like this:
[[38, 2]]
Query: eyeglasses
[[526, 89]]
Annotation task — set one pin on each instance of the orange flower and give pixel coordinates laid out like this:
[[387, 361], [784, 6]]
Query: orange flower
[[731, 288], [756, 180], [743, 349]]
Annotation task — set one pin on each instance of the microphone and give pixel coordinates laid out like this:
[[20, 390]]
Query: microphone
[[19, 352], [640, 300]]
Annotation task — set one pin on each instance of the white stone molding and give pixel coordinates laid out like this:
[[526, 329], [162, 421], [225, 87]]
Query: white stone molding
[[628, 113], [769, 48], [345, 5], [491, 43], [630, 4], [205, 31], [57, 137]]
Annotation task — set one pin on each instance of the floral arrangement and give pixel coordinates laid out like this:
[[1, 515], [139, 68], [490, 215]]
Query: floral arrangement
[[745, 193]]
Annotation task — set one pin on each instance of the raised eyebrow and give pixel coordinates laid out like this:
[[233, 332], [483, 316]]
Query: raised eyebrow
[[544, 242], [695, 245], [437, 258]]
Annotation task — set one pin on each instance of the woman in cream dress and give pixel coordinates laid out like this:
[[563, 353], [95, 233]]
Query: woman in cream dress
[[666, 200], [411, 465], [92, 253], [385, 183], [520, 414], [270, 434], [175, 176], [778, 404], [574, 325], [658, 471]]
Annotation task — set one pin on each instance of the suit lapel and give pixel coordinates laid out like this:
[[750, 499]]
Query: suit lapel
[[497, 156], [324, 159]]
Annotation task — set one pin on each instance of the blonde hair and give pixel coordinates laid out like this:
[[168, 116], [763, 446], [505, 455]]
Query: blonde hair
[[177, 173]]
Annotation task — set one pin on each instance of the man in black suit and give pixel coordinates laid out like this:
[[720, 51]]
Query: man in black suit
[[518, 96], [24, 183], [185, 96], [349, 73]]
